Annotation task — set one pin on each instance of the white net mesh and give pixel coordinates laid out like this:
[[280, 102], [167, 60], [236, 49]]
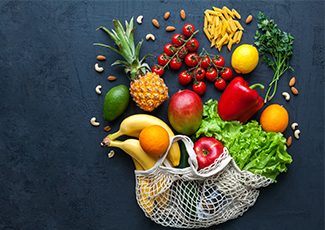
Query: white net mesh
[[187, 198]]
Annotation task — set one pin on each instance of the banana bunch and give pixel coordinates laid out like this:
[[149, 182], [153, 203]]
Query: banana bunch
[[148, 192], [132, 126]]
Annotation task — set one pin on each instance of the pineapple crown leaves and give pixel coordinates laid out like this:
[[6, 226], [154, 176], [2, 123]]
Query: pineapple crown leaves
[[125, 41]]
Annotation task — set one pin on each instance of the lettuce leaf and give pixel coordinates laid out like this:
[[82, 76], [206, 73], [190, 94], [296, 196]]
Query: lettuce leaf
[[252, 148]]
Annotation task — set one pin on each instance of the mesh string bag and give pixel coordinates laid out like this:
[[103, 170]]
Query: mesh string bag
[[188, 198]]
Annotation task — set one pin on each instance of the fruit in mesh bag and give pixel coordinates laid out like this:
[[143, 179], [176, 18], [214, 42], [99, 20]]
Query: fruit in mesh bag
[[154, 140], [274, 118], [207, 150], [148, 90]]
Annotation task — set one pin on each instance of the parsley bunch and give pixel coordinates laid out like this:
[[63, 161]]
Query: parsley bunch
[[275, 47]]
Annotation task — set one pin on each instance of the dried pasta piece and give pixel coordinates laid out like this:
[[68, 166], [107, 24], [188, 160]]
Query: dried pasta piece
[[231, 14], [236, 14]]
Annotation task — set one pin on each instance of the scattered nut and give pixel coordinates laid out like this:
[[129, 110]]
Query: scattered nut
[[292, 81], [111, 154], [286, 95], [294, 125], [101, 58], [94, 122], [150, 36], [98, 69], [249, 19], [107, 128], [155, 23], [170, 28], [296, 133], [166, 16], [182, 14], [294, 90], [98, 89], [111, 78], [289, 141], [139, 19]]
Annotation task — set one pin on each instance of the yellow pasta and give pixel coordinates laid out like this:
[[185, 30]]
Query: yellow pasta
[[238, 25], [236, 14], [230, 44], [217, 9], [225, 8], [221, 27]]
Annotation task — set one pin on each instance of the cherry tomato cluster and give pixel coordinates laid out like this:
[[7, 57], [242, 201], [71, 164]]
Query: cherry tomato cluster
[[181, 50], [175, 52], [204, 65]]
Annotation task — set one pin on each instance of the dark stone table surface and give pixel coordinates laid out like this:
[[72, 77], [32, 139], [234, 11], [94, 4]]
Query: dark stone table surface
[[53, 172]]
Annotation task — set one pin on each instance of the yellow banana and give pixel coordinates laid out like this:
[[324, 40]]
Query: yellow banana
[[133, 148], [134, 124], [145, 191]]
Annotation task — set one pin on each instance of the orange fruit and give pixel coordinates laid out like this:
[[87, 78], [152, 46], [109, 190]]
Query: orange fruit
[[274, 118], [154, 140]]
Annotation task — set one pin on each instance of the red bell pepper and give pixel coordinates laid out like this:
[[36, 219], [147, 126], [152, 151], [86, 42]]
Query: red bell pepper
[[239, 101]]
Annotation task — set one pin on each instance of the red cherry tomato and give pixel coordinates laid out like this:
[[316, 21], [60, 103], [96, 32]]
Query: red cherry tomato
[[158, 69], [199, 87], [175, 63], [211, 74], [199, 73], [163, 59], [188, 29], [219, 61], [205, 63], [227, 74], [184, 77], [191, 59], [220, 84], [192, 45], [182, 52], [170, 49], [178, 39]]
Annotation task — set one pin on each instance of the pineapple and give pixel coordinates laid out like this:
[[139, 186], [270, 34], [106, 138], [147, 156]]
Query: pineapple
[[147, 89]]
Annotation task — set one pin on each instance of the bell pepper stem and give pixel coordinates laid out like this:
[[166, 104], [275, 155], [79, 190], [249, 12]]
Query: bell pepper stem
[[257, 85]]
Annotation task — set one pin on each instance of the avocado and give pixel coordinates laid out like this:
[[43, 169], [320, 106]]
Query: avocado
[[115, 103]]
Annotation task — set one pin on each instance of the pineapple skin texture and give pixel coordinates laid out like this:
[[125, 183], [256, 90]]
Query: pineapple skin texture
[[149, 91]]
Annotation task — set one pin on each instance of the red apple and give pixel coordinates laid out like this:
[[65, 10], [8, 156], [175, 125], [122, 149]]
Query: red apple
[[207, 150]]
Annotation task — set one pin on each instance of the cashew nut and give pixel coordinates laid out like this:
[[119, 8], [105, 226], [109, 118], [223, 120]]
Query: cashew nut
[[286, 95], [296, 133], [98, 69], [98, 89], [94, 122], [150, 36], [139, 19], [111, 154], [294, 125]]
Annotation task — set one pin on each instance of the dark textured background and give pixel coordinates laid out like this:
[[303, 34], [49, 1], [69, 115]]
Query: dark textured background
[[53, 172]]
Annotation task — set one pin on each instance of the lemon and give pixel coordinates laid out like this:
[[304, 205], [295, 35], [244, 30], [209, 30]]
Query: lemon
[[244, 59]]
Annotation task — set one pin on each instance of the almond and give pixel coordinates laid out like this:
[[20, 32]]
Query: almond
[[289, 141], [166, 16], [294, 90], [111, 78], [170, 28], [183, 15], [101, 58], [249, 19], [292, 81], [155, 23], [107, 128]]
